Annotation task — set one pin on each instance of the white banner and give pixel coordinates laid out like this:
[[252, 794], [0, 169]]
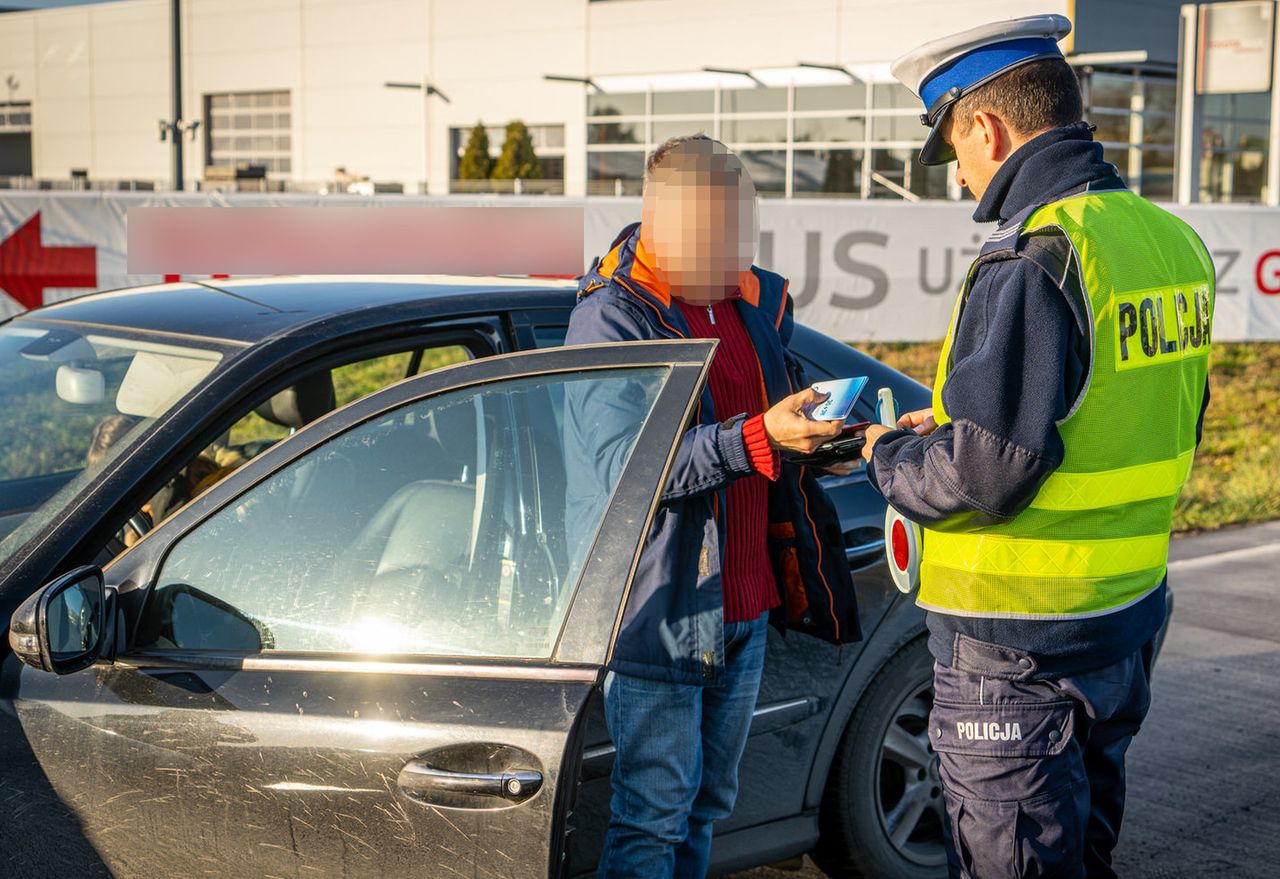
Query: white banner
[[859, 270]]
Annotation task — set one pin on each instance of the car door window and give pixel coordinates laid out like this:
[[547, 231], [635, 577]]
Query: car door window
[[438, 532], [263, 426]]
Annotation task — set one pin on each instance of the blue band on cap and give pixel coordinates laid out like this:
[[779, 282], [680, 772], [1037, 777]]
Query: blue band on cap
[[982, 63]]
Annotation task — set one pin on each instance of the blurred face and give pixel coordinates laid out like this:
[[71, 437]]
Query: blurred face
[[699, 221]]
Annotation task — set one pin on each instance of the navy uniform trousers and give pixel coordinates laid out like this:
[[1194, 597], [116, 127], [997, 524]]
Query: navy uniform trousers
[[1032, 766]]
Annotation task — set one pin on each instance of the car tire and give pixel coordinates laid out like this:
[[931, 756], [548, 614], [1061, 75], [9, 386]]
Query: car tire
[[882, 812]]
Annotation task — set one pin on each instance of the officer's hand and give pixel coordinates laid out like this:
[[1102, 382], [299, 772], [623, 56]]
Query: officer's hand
[[787, 427], [874, 432], [921, 421]]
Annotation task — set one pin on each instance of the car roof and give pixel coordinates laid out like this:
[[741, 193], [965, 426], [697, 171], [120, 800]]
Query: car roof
[[250, 309]]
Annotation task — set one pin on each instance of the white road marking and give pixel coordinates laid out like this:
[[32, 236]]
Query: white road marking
[[1231, 555]]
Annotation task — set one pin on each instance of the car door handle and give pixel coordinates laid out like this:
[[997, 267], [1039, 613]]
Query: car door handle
[[421, 778], [862, 551]]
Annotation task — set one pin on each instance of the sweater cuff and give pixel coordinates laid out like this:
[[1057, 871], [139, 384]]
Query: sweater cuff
[[764, 458]]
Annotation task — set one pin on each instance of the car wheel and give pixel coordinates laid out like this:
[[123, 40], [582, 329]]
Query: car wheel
[[882, 813]]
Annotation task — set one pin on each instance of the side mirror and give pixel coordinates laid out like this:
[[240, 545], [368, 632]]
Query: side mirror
[[62, 627]]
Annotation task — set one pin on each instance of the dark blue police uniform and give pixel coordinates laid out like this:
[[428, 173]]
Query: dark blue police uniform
[[1031, 717]]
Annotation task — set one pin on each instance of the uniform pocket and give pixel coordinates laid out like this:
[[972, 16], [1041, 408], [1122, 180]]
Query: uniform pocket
[[1014, 786]]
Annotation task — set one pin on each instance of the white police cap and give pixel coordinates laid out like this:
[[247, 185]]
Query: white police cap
[[942, 71]]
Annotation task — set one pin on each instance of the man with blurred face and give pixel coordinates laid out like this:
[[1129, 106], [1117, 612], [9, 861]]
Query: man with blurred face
[[741, 535]]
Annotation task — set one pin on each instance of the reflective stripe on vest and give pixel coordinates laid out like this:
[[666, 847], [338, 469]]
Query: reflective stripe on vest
[[1095, 538]]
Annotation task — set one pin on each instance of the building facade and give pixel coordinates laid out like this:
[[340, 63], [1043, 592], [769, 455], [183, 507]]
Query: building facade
[[381, 95]]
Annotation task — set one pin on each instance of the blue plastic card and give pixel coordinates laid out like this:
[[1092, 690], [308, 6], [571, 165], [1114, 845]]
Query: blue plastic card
[[841, 394]]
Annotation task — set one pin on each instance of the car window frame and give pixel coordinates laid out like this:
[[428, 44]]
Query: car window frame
[[589, 627]]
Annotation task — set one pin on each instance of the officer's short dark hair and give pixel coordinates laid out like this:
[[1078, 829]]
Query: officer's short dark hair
[[1029, 99]]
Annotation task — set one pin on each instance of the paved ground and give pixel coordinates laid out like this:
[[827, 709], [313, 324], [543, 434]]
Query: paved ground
[[1204, 790]]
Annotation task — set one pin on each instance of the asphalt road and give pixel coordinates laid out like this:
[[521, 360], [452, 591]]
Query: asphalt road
[[1204, 773]]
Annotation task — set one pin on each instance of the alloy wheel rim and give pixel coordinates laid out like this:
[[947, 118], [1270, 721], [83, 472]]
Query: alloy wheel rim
[[908, 787]]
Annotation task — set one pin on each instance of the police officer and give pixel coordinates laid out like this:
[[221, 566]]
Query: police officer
[[1068, 404]]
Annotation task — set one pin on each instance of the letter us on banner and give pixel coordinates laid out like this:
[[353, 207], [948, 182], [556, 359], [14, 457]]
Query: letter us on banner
[[859, 270]]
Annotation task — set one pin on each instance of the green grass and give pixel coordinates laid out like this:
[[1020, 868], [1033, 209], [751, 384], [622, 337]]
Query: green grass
[[1236, 478]]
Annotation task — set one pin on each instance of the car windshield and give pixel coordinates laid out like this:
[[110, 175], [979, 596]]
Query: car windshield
[[71, 399]]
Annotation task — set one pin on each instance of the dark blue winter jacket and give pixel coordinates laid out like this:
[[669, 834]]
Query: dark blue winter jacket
[[672, 628]]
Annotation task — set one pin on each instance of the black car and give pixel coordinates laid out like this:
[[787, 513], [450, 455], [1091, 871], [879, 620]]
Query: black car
[[316, 611]]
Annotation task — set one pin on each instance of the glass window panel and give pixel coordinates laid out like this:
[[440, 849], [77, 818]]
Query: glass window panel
[[265, 99], [407, 533], [1111, 127], [753, 100], [552, 167], [551, 136], [221, 143], [241, 100], [899, 128], [827, 173], [1255, 106], [1249, 175], [218, 102], [830, 97], [768, 169], [1157, 174], [897, 169], [753, 130], [1111, 90], [602, 165], [679, 127], [1158, 129], [219, 120], [683, 102], [264, 143], [282, 99], [283, 120], [241, 121], [242, 143], [888, 96], [615, 132], [264, 120], [1160, 97], [831, 128], [284, 165], [616, 105], [283, 142]]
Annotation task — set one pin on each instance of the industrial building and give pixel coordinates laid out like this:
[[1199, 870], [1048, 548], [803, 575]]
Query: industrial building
[[380, 95]]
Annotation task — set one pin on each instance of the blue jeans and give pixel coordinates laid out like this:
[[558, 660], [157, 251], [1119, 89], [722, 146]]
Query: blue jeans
[[675, 771]]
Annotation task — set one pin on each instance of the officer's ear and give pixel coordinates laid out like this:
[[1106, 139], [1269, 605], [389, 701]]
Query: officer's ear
[[991, 135]]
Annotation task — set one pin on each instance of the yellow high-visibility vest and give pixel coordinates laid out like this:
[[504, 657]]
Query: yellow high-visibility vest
[[1096, 537]]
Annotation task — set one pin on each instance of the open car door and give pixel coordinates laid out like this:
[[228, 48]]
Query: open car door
[[367, 652]]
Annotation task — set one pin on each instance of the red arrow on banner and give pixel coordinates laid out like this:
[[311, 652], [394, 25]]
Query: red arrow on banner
[[27, 267]]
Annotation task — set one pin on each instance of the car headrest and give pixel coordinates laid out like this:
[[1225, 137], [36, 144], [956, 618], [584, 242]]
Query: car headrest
[[301, 403]]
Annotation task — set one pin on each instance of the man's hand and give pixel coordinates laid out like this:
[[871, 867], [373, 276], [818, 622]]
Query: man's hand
[[843, 468], [788, 428], [921, 421]]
